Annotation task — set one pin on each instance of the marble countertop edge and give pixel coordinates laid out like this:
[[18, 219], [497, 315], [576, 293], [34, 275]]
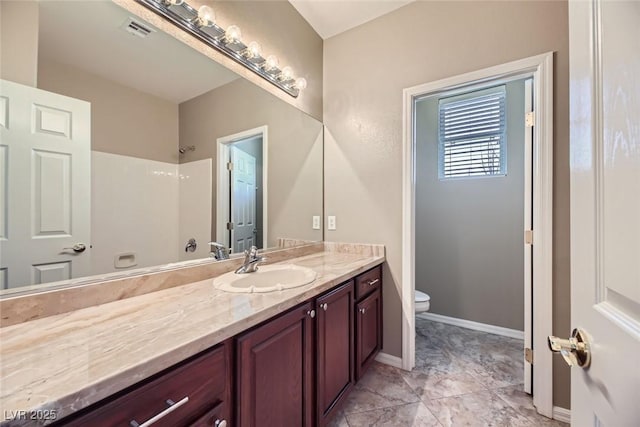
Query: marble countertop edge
[[100, 388]]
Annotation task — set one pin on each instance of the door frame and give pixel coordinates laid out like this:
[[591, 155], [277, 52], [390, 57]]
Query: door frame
[[222, 180], [540, 67]]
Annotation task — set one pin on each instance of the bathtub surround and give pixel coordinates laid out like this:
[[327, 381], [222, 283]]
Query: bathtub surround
[[363, 119], [126, 339]]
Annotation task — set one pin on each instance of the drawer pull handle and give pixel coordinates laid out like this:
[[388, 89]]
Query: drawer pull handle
[[373, 282], [362, 310], [172, 407], [324, 306], [220, 423]]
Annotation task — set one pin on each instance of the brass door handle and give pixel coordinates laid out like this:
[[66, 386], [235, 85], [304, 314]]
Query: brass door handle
[[576, 350]]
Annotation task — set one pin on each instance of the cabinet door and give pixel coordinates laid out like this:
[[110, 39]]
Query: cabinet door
[[275, 371], [335, 348], [368, 331]]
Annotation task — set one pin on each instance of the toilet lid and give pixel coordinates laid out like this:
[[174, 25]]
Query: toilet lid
[[422, 297]]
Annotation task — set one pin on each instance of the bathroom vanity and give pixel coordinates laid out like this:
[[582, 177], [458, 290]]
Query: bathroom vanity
[[195, 355]]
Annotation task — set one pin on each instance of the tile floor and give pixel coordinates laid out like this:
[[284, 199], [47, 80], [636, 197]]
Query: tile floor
[[462, 378]]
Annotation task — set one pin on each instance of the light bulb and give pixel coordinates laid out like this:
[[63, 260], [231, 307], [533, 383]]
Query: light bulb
[[272, 63], [301, 83], [254, 50], [206, 16], [287, 73], [233, 34], [173, 2]]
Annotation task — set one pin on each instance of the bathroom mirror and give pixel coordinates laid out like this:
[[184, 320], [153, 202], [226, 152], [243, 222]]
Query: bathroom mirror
[[140, 151]]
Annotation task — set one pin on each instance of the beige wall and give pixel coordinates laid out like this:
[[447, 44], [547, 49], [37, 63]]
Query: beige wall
[[365, 71], [19, 41], [294, 154], [277, 26], [464, 227], [124, 120]]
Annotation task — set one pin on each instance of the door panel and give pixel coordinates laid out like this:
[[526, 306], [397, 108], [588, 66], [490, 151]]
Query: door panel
[[243, 200], [51, 193], [45, 183], [368, 331], [605, 207], [45, 273], [4, 203]]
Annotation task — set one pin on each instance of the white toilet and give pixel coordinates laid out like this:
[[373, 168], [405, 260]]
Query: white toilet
[[423, 302]]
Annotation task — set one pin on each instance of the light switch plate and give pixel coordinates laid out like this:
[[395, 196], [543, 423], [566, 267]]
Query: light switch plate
[[331, 222], [316, 222]]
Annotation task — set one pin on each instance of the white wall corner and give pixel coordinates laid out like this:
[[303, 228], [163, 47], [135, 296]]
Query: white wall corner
[[562, 414], [390, 360]]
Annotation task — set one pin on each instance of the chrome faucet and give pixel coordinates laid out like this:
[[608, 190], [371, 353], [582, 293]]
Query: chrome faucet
[[251, 261], [218, 251]]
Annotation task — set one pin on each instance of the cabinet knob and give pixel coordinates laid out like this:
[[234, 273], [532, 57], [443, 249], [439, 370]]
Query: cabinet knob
[[324, 306], [220, 423], [311, 313], [362, 310]]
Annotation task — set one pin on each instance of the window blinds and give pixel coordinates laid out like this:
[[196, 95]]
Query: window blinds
[[472, 134]]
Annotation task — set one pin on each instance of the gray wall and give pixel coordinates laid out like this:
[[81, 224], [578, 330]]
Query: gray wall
[[253, 147], [124, 120], [469, 232], [19, 29], [294, 157], [365, 71]]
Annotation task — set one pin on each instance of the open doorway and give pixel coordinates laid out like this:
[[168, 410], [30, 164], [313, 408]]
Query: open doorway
[[473, 205], [537, 300], [241, 217]]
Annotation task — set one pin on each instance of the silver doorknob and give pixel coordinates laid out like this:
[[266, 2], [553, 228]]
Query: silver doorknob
[[311, 313], [220, 423], [324, 306], [576, 351], [363, 310], [77, 248]]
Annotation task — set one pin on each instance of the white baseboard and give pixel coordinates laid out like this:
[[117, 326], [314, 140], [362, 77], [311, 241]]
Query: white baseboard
[[390, 360], [469, 324], [562, 414]]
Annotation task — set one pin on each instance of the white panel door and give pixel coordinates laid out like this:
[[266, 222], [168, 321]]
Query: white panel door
[[45, 146], [243, 200], [605, 209]]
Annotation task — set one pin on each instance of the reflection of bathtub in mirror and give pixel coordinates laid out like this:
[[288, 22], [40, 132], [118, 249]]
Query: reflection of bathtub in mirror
[[154, 162]]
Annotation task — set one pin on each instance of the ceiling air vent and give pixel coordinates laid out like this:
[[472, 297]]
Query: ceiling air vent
[[136, 28]]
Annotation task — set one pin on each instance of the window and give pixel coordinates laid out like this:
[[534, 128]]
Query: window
[[472, 134]]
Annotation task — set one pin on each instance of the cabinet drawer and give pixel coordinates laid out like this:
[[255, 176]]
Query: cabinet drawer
[[176, 397], [368, 282]]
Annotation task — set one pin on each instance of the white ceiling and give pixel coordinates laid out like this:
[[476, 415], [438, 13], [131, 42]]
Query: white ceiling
[[331, 17], [89, 36]]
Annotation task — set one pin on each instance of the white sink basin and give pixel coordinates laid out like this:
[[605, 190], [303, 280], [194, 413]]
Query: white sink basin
[[268, 278]]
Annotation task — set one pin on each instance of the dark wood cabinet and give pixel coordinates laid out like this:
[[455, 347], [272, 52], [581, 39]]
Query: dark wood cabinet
[[275, 371], [368, 322], [179, 396], [335, 341], [294, 369]]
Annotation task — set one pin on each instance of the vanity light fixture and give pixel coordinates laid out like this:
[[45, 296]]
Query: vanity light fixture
[[202, 24]]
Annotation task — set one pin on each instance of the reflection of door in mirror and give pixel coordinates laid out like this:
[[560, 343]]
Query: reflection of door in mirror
[[45, 182], [242, 219]]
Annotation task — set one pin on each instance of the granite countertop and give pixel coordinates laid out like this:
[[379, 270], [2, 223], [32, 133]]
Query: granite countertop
[[69, 361]]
